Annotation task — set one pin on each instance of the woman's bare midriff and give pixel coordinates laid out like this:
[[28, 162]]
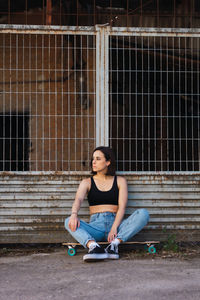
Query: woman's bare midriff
[[103, 208]]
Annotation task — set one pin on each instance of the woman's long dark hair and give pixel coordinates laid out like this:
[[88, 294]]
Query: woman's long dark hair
[[109, 156]]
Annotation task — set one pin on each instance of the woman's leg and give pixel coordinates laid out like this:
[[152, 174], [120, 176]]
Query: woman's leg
[[133, 224], [85, 233]]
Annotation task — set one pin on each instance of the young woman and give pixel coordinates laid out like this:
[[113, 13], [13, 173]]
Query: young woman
[[107, 196]]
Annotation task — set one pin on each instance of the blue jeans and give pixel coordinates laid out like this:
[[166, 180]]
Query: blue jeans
[[100, 225]]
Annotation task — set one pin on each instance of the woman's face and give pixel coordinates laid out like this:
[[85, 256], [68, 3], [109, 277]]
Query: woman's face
[[99, 162]]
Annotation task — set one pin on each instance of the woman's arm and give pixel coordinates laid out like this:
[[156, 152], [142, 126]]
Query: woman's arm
[[80, 195], [123, 198]]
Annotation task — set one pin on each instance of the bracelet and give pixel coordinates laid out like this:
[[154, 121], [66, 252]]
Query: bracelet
[[74, 213]]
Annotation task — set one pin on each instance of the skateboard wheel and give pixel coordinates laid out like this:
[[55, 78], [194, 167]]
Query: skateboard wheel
[[152, 249], [71, 252]]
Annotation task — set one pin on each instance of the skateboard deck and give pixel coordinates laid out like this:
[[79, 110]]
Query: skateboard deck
[[150, 246]]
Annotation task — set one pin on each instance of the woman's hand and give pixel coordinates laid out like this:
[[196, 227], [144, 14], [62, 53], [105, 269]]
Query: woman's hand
[[74, 222], [112, 234]]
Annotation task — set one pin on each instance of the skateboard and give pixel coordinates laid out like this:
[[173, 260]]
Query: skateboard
[[150, 245]]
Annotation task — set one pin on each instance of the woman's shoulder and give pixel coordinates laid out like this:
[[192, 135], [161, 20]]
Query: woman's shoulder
[[86, 182], [121, 180]]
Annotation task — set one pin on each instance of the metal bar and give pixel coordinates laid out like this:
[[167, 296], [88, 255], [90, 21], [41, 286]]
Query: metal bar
[[81, 95], [4, 102], [152, 31], [173, 104], [123, 101], [30, 102], [68, 103], [106, 103], [136, 102], [36, 104], [161, 112], [23, 113], [82, 173], [45, 29], [179, 89], [192, 104], [94, 80], [88, 100], [42, 112], [148, 110], [75, 102], [17, 118], [117, 97], [56, 106], [142, 102], [90, 30], [167, 99], [49, 102], [110, 92], [198, 99], [155, 122], [186, 114], [130, 105], [62, 105], [102, 123]]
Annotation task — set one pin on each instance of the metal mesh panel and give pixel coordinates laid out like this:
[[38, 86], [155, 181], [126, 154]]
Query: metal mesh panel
[[47, 107], [49, 87], [154, 102]]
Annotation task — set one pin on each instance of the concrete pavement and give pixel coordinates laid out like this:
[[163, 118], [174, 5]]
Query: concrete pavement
[[57, 276]]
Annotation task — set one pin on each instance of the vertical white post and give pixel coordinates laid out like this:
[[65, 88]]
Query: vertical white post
[[102, 75]]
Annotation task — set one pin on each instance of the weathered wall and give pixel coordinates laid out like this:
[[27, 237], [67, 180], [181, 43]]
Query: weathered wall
[[34, 207]]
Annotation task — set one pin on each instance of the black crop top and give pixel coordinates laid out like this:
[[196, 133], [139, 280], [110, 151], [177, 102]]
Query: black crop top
[[97, 197]]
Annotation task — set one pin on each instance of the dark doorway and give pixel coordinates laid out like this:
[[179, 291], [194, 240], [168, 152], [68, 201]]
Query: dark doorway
[[14, 142]]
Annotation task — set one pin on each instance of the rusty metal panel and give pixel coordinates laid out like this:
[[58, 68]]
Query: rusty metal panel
[[33, 206]]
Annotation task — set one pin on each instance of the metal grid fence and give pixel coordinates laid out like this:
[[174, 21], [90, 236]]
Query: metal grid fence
[[154, 100], [47, 100], [65, 91]]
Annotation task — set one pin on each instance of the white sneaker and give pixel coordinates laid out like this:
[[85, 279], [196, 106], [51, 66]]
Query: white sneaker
[[95, 253], [112, 251]]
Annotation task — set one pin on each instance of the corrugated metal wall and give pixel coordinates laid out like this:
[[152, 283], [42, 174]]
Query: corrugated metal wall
[[33, 206]]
